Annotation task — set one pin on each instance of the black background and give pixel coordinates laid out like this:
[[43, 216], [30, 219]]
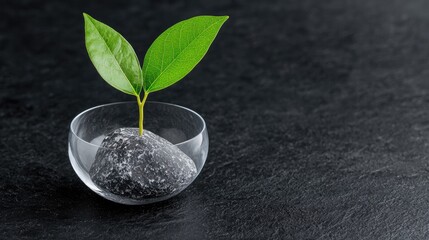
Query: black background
[[318, 116]]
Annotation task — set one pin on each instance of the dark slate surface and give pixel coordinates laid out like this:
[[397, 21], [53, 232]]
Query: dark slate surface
[[318, 115]]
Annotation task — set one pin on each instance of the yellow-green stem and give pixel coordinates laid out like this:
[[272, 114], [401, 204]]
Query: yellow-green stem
[[141, 112]]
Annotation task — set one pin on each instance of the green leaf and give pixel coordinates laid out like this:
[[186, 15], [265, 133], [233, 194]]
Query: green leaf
[[178, 50], [113, 57]]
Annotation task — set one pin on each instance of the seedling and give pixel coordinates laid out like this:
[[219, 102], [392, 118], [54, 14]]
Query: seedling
[[170, 57]]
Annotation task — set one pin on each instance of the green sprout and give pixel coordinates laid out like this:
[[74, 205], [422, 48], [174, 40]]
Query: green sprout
[[170, 57]]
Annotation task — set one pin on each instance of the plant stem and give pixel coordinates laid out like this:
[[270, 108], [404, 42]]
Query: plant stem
[[141, 112]]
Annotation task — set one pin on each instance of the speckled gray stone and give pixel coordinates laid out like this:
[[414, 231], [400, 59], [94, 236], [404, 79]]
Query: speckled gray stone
[[141, 167]]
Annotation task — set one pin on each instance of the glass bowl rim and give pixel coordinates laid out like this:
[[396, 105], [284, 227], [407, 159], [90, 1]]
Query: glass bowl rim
[[72, 130]]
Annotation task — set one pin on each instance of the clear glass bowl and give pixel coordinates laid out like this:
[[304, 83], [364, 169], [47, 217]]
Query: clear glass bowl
[[181, 126]]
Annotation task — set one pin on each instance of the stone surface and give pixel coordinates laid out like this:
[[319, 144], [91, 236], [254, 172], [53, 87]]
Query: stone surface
[[317, 111], [141, 167]]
